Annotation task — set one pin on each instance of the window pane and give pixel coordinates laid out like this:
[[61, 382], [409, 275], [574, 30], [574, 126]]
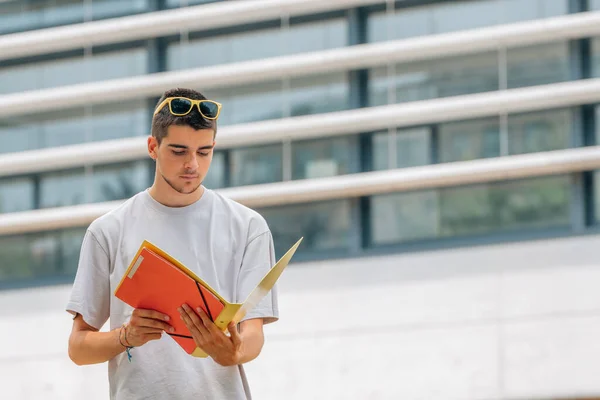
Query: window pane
[[256, 165], [121, 181], [324, 226], [325, 157], [399, 217], [73, 126], [469, 210], [63, 188], [253, 45], [411, 148], [431, 79], [595, 43], [537, 65], [215, 178], [318, 94], [539, 131], [27, 15], [469, 140], [458, 15], [40, 255], [16, 194], [535, 203], [70, 71], [249, 103]]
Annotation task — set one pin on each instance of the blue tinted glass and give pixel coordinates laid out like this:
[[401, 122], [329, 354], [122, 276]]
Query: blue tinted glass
[[254, 165], [70, 71], [540, 131], [469, 140], [487, 208], [401, 148], [16, 194], [538, 65], [437, 78], [325, 157], [325, 226]]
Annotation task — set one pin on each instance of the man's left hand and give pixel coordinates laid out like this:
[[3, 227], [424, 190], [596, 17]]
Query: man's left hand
[[225, 350]]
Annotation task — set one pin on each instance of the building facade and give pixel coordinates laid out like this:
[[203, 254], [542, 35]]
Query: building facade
[[368, 127]]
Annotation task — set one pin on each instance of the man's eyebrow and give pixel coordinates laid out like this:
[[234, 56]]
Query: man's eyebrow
[[181, 146]]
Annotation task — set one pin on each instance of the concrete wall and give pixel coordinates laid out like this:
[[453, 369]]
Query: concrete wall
[[517, 321]]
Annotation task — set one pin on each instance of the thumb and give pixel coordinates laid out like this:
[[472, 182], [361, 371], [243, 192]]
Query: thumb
[[235, 336]]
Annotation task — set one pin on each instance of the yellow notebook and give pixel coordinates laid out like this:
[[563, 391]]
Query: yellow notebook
[[156, 280]]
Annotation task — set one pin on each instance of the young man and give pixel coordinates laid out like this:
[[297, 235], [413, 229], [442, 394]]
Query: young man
[[225, 243]]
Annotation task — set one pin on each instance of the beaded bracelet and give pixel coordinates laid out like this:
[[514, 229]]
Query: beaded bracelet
[[127, 346]]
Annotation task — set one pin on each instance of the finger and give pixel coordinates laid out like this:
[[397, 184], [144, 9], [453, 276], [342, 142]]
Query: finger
[[193, 322], [152, 323], [235, 335], [210, 326], [152, 314], [147, 331]]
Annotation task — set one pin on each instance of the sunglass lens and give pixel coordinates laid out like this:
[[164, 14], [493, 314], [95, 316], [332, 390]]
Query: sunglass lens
[[180, 106], [209, 109]]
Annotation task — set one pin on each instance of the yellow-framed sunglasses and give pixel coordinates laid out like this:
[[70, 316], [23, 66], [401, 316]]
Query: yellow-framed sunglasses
[[181, 106]]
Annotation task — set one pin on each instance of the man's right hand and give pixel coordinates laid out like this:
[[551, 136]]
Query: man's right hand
[[144, 326]]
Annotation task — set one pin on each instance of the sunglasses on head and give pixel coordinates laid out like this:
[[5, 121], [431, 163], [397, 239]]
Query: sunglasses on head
[[181, 106]]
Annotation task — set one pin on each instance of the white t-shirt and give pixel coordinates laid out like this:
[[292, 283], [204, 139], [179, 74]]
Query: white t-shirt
[[225, 243]]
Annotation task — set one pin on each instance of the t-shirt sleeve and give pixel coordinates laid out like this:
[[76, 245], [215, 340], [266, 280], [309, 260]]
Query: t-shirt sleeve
[[90, 295], [259, 257]]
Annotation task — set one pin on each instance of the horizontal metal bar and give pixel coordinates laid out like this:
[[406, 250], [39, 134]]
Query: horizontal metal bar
[[306, 64], [321, 125], [347, 186], [162, 23]]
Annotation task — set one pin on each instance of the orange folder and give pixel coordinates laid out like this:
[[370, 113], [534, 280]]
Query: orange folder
[[155, 280]]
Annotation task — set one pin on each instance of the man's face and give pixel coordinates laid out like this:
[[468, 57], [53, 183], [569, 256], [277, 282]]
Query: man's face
[[183, 157]]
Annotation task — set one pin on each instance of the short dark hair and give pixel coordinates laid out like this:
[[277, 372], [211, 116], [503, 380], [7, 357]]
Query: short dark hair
[[163, 119]]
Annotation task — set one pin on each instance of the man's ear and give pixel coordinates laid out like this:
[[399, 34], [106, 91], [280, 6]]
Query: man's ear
[[152, 147]]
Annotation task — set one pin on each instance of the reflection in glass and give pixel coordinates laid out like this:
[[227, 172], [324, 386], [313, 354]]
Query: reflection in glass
[[325, 157], [70, 71], [40, 255], [452, 16], [119, 181], [411, 147], [16, 16], [215, 178], [324, 226], [254, 165], [75, 125], [431, 79], [595, 56], [539, 131], [16, 194], [469, 140], [318, 94], [258, 44], [469, 210], [537, 65]]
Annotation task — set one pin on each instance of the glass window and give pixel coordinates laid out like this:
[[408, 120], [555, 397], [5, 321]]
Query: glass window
[[431, 79], [253, 45], [40, 255], [120, 181], [64, 188], [537, 65], [249, 103], [469, 210], [453, 16], [186, 3], [215, 178], [27, 15], [325, 226], [540, 131], [70, 71], [255, 165], [318, 94], [469, 140], [73, 126], [401, 149], [595, 43], [325, 157], [16, 194], [594, 4]]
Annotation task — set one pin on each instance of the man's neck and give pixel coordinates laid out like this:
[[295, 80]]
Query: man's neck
[[169, 197]]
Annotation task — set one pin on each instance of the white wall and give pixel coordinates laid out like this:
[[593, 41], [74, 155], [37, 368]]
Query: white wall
[[503, 321]]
